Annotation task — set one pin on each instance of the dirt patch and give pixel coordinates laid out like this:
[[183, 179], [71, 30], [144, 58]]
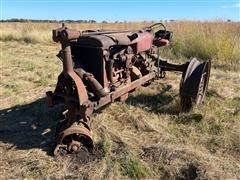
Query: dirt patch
[[85, 156], [190, 172]]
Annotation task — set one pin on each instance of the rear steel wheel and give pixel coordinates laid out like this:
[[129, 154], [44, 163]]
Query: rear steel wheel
[[194, 84]]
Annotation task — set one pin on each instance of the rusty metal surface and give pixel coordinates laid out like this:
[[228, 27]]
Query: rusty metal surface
[[100, 67], [72, 139], [68, 70]]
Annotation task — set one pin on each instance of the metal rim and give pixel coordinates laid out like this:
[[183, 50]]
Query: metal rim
[[73, 139], [203, 84]]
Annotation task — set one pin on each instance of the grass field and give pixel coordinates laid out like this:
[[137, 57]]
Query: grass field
[[146, 137]]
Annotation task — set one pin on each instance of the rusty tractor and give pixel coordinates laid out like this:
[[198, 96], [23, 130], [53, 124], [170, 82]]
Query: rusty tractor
[[103, 66]]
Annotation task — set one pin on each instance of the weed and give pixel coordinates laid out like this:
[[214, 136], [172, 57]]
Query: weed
[[43, 81], [133, 168], [106, 145]]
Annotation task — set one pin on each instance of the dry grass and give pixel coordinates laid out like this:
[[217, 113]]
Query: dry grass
[[219, 41], [41, 32], [146, 137]]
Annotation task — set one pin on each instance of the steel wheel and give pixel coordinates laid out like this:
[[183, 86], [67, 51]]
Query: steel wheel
[[194, 84], [73, 140]]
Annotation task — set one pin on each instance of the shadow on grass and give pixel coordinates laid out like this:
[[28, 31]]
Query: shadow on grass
[[29, 126], [33, 125], [214, 94], [227, 67], [188, 118], [157, 103], [163, 103]]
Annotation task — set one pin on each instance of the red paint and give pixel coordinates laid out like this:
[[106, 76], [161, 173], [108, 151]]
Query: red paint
[[144, 42], [161, 42]]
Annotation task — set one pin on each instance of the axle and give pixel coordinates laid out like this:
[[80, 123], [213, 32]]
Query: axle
[[165, 66]]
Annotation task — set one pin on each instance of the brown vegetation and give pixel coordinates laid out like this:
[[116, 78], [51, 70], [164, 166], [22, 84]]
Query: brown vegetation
[[146, 137], [218, 41]]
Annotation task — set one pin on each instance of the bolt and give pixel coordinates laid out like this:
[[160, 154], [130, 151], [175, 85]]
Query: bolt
[[75, 148]]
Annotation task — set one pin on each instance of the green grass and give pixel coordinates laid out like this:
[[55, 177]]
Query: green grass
[[133, 168], [107, 144]]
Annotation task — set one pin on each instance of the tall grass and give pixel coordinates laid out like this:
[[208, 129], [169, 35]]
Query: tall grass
[[219, 41], [26, 32], [42, 32]]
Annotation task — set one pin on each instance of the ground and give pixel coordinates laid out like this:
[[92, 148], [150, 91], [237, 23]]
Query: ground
[[145, 137]]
